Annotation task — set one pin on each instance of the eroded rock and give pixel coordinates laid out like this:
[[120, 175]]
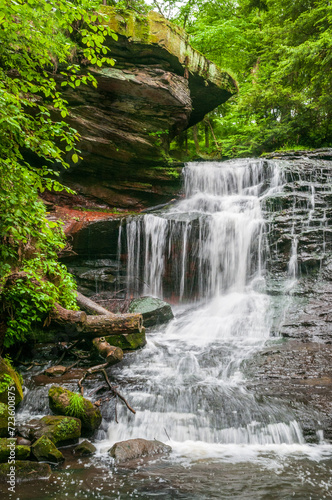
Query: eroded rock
[[153, 310], [19, 451], [84, 449], [44, 450], [59, 429]]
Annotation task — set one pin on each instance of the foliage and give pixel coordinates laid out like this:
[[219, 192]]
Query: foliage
[[280, 54], [37, 40], [76, 406]]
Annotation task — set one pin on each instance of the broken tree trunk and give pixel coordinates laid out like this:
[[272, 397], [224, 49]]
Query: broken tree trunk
[[110, 353], [64, 316], [110, 325], [90, 306]]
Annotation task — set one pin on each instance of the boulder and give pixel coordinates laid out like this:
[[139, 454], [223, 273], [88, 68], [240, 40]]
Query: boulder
[[4, 414], [10, 446], [61, 430], [159, 87], [44, 450], [64, 402], [84, 449], [24, 471], [9, 378], [137, 448], [153, 310]]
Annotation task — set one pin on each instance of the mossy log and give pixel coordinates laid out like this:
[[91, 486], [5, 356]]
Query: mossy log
[[64, 316], [110, 353], [99, 326]]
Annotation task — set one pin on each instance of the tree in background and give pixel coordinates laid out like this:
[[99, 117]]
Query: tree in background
[[37, 39]]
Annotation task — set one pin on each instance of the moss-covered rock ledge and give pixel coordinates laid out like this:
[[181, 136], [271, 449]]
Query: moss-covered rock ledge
[[158, 87]]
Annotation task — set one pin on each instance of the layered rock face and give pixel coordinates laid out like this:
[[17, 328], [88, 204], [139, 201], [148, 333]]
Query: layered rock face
[[158, 87]]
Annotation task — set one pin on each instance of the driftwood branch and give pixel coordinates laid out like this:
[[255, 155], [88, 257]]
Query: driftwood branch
[[90, 306]]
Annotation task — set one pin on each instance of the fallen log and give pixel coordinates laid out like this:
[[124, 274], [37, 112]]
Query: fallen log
[[64, 316], [90, 306], [100, 326]]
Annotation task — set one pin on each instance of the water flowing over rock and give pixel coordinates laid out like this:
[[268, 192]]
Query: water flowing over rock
[[159, 86]]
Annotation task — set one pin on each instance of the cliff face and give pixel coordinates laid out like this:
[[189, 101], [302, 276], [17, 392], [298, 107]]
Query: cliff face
[[158, 87]]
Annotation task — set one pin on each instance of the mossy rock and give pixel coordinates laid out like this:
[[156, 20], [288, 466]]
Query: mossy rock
[[153, 310], [9, 378], [44, 450], [87, 412], [127, 341], [24, 471], [84, 449], [4, 414], [21, 452], [60, 430]]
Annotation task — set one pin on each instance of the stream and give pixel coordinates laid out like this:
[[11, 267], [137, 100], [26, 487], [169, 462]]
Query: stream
[[190, 385]]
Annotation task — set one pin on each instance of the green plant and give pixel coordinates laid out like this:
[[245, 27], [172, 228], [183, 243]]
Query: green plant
[[6, 381], [76, 406]]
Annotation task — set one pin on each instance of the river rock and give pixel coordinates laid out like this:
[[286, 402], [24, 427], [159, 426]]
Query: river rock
[[9, 378], [137, 448], [21, 452], [153, 310], [84, 449], [88, 413], [44, 450], [25, 471], [61, 430]]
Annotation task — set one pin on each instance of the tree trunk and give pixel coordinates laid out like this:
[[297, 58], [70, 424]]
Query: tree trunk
[[206, 131], [111, 325], [64, 316], [195, 136], [110, 353], [91, 307]]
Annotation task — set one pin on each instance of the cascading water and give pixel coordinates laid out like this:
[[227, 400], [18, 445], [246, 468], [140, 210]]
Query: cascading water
[[187, 383]]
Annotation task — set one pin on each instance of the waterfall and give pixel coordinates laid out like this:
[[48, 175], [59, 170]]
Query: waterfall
[[210, 242], [209, 249]]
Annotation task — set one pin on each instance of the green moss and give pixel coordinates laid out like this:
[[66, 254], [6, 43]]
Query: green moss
[[128, 341], [9, 377], [3, 420], [61, 430], [44, 450], [21, 452], [25, 471]]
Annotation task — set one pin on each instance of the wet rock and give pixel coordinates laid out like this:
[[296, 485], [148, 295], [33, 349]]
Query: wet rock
[[137, 448], [128, 341], [11, 446], [55, 371], [4, 415], [44, 450], [61, 402], [84, 449], [22, 441], [9, 378], [61, 430], [25, 471], [153, 310]]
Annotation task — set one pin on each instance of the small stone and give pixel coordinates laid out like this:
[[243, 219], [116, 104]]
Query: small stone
[[137, 448], [84, 449], [44, 450]]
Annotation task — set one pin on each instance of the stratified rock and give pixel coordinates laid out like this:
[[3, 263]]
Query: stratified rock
[[4, 420], [44, 450], [137, 448], [55, 371], [153, 310], [10, 446], [84, 449], [88, 413], [9, 378], [60, 430], [24, 471], [128, 341], [159, 87]]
